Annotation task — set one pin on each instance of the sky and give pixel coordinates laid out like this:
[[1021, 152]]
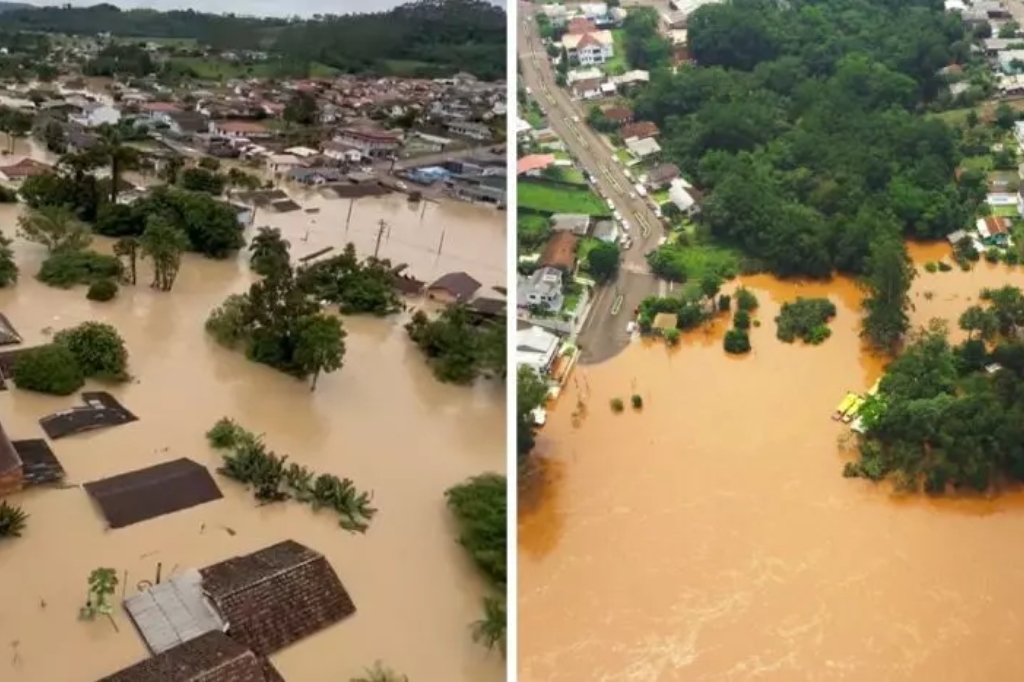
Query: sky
[[250, 7]]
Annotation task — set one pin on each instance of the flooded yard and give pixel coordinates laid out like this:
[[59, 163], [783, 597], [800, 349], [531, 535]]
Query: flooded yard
[[711, 536], [382, 420]]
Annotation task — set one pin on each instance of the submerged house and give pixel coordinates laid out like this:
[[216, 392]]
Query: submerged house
[[264, 601], [212, 657], [26, 463]]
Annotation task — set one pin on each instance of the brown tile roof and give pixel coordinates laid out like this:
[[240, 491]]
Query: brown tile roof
[[581, 25], [618, 114], [276, 596], [640, 129], [997, 224], [213, 657], [666, 172], [560, 251], [458, 284], [25, 168], [147, 493]]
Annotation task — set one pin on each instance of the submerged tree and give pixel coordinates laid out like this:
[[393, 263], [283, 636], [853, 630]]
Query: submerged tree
[[269, 252], [319, 346], [12, 520], [8, 268], [163, 244], [55, 227], [127, 248], [380, 673], [491, 629], [890, 274], [102, 585]]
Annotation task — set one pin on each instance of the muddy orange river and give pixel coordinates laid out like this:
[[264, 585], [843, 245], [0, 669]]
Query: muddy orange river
[[382, 420], [711, 537]]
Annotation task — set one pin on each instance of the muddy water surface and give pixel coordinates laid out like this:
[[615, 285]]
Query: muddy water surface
[[711, 536], [382, 420]]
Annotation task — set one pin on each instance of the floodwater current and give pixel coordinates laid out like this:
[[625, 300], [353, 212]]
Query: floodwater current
[[711, 536], [382, 420]]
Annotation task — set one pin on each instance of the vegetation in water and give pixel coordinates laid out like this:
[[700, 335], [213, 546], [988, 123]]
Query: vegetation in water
[[280, 325], [98, 350], [943, 419], [746, 301], [356, 286], [459, 346], [13, 520], [637, 401], [102, 290], [51, 368], [480, 508], [736, 342], [531, 393], [273, 479], [378, 672], [805, 319], [268, 252], [617, 405], [66, 268], [103, 584], [8, 267]]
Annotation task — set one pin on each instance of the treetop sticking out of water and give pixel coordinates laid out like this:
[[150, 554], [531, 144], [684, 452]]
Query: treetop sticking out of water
[[948, 416], [249, 461], [805, 319]]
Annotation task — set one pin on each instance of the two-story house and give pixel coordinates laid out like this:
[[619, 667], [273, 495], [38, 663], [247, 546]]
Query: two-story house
[[596, 47], [370, 142], [542, 289]]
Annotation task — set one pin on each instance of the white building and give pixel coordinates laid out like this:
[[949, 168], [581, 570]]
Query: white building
[[95, 115], [537, 349], [684, 201], [596, 47]]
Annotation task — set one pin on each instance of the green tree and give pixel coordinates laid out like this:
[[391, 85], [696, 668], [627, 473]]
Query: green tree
[[890, 275], [531, 393], [103, 584], [380, 673], [319, 346], [128, 249], [301, 109], [980, 321], [49, 369], [163, 244], [55, 227], [12, 520], [8, 267], [202, 180], [491, 629], [603, 261], [113, 151], [98, 349], [269, 252]]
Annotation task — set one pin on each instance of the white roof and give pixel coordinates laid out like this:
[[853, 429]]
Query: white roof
[[678, 195], [301, 151], [535, 348]]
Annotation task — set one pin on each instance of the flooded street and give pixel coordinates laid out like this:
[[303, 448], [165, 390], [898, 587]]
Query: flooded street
[[711, 537], [382, 420]]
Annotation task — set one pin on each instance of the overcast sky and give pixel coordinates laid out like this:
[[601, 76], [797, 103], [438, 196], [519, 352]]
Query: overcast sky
[[251, 7]]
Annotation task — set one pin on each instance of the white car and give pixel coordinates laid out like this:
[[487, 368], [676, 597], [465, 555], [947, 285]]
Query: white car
[[625, 225], [630, 327], [618, 216], [611, 204]]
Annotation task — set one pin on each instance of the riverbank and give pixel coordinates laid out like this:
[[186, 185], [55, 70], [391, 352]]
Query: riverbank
[[712, 536]]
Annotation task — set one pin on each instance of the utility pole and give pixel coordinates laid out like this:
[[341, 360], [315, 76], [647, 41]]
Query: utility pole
[[348, 219], [381, 226], [440, 242]]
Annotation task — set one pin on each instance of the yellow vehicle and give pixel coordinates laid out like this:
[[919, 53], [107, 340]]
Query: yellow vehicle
[[845, 405], [854, 409]]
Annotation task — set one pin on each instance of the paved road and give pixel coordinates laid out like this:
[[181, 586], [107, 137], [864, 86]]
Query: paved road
[[604, 333], [436, 159]]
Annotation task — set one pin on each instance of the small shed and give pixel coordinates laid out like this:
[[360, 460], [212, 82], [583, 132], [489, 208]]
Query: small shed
[[276, 596], [147, 493], [214, 657]]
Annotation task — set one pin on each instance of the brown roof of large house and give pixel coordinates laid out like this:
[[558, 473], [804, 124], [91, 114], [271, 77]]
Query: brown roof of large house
[[581, 25], [560, 251], [459, 284], [144, 494], [997, 224], [213, 657], [663, 173], [25, 168], [579, 87], [618, 114], [276, 596], [640, 129], [241, 127]]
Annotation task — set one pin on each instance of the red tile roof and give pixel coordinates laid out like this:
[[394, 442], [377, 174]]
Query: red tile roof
[[534, 162]]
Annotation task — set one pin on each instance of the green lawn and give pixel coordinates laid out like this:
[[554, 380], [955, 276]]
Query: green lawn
[[624, 156], [617, 64], [954, 116], [982, 163], [1005, 211], [531, 232], [566, 174], [560, 199]]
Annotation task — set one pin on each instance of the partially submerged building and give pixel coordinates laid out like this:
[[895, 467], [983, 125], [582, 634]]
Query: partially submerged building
[[26, 463], [212, 657]]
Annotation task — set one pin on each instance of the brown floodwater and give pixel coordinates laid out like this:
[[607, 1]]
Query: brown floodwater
[[382, 420], [711, 537]]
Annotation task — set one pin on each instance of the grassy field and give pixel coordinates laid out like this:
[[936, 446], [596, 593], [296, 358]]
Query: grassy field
[[617, 64], [566, 174], [1005, 212], [560, 199], [222, 69], [531, 232]]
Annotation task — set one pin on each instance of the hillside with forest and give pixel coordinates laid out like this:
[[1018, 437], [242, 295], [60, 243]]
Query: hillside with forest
[[428, 37]]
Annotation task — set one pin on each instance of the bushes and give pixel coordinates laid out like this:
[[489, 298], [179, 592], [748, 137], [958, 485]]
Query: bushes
[[98, 350], [49, 369], [746, 300], [806, 319], [8, 196], [617, 405], [102, 290], [12, 520], [741, 320], [736, 342], [250, 462], [65, 268]]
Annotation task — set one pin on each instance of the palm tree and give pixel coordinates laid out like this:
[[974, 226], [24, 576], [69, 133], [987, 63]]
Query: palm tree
[[120, 157], [12, 520], [380, 673], [490, 630]]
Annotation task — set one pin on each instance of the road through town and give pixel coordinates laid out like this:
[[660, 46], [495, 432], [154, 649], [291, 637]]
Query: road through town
[[604, 332]]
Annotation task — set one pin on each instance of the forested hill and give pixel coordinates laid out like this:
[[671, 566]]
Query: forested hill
[[444, 35]]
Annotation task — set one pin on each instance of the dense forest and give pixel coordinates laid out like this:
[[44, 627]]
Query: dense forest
[[804, 123], [436, 36]]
